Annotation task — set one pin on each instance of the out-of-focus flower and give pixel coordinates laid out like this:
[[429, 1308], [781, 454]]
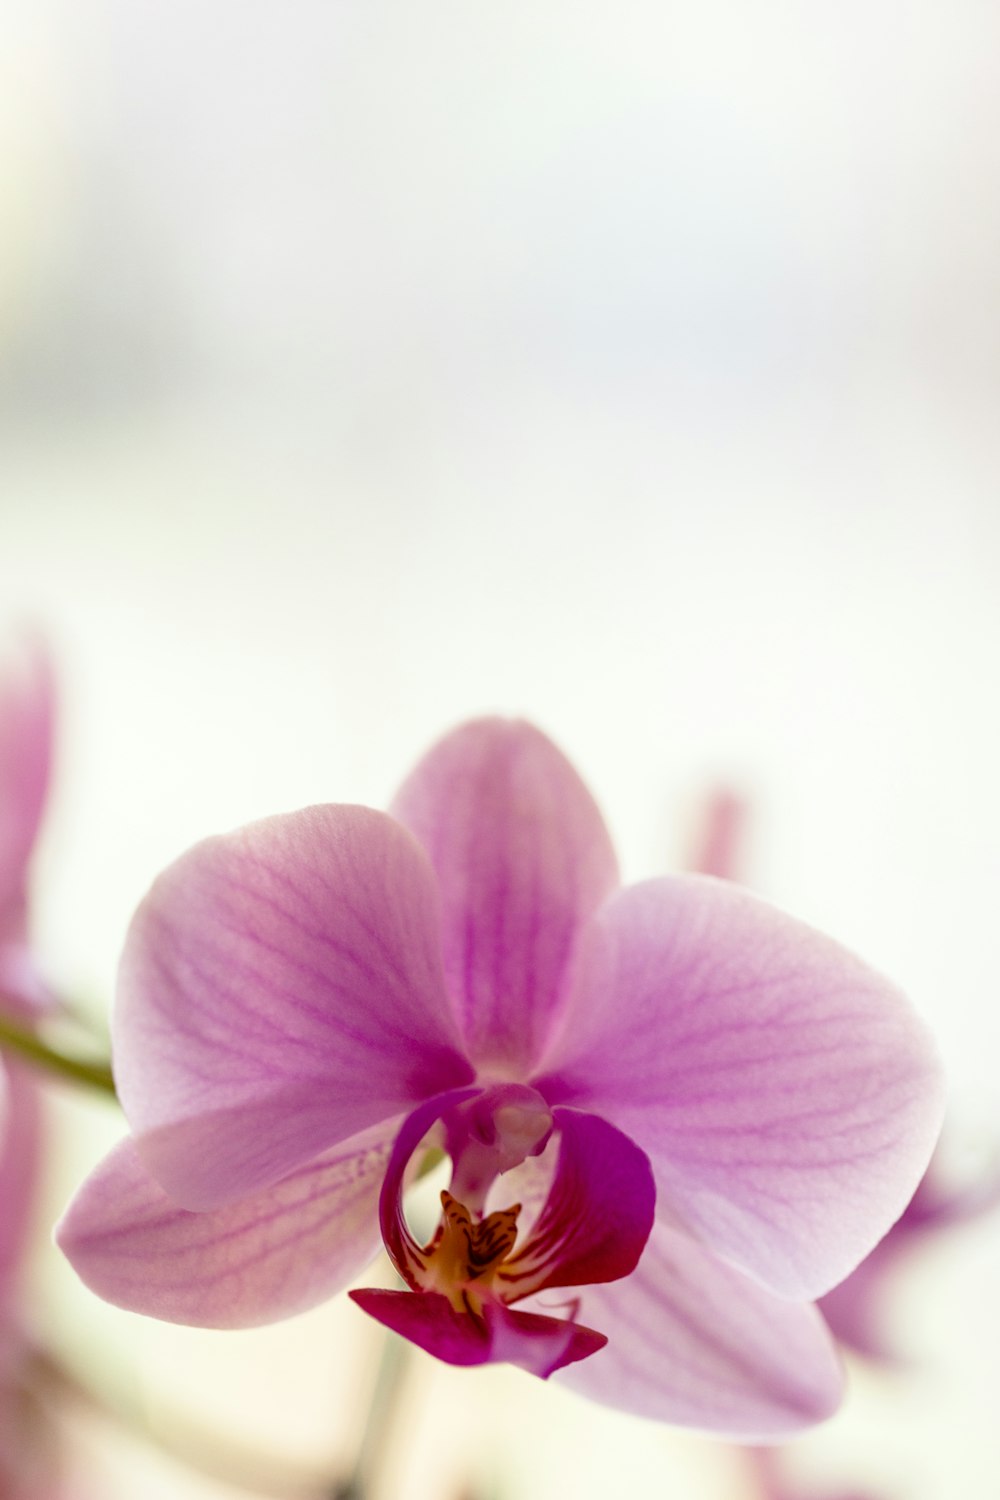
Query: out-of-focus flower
[[306, 1004], [773, 1484], [717, 847], [855, 1310], [28, 1459], [28, 1455], [26, 714]]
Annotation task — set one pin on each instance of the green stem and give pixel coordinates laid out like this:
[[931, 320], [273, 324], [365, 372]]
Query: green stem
[[33, 1049], [383, 1410]]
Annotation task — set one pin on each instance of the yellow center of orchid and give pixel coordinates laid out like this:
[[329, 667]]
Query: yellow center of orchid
[[465, 1254]]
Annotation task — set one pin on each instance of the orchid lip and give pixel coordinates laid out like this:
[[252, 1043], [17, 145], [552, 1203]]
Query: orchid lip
[[592, 1202]]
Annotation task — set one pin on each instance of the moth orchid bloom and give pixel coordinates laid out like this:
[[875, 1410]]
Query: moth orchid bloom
[[673, 1114]]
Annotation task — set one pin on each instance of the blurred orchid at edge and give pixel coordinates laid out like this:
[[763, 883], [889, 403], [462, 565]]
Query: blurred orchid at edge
[[672, 1112], [27, 1456]]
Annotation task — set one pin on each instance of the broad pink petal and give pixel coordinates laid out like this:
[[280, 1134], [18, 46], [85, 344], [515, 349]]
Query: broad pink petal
[[695, 1342], [541, 1345], [26, 714], [280, 991], [269, 1256], [20, 1161], [523, 858], [597, 1216], [787, 1095]]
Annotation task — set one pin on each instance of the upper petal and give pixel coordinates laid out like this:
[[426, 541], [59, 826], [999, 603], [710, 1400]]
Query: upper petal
[[523, 858], [787, 1095], [26, 714], [272, 1254], [695, 1342], [280, 990]]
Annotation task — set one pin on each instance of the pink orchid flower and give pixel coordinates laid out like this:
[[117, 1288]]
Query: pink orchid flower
[[673, 1113]]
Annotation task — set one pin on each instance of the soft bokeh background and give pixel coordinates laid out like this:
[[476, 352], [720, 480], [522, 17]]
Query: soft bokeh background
[[364, 366]]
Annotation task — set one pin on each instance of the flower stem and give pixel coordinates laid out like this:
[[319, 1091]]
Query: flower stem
[[29, 1045], [363, 1483]]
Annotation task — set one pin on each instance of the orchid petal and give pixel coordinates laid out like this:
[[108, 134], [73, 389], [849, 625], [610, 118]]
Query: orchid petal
[[273, 1254], [280, 991], [787, 1095], [695, 1342], [541, 1345], [26, 715], [597, 1216], [523, 857]]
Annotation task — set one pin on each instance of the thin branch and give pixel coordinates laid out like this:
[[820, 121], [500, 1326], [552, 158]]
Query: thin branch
[[30, 1046]]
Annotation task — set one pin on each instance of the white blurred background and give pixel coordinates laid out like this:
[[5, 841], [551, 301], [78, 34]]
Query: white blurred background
[[634, 368]]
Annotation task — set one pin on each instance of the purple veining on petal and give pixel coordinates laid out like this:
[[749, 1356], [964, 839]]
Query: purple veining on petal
[[280, 990], [786, 1094], [523, 858], [694, 1341], [299, 981], [268, 1256]]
